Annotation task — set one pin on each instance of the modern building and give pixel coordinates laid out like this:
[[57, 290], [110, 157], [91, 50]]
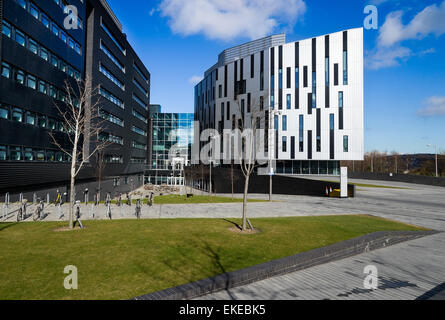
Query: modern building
[[172, 138], [38, 54], [311, 93]]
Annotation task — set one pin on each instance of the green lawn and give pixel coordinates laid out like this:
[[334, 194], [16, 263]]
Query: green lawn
[[126, 258]]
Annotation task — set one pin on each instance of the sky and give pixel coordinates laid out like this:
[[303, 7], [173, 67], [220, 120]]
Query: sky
[[404, 85]]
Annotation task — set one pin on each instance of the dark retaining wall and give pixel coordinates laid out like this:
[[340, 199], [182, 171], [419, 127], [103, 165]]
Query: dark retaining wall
[[107, 185], [222, 183], [431, 181]]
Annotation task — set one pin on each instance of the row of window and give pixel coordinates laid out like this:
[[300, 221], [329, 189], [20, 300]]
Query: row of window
[[139, 86], [108, 158], [138, 160], [115, 80], [19, 153], [32, 82], [111, 118], [112, 98], [111, 76], [111, 56], [140, 72], [345, 144], [138, 145], [139, 131], [31, 118], [50, 24], [140, 102], [284, 123], [25, 41], [105, 136], [139, 116], [118, 45]]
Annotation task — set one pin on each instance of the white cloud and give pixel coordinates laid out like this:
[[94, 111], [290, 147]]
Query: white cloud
[[389, 51], [430, 20], [434, 106], [195, 80], [387, 57], [378, 2], [229, 19]]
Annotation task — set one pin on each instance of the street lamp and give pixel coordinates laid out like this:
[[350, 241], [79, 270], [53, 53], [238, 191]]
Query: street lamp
[[212, 138], [435, 150], [272, 114]]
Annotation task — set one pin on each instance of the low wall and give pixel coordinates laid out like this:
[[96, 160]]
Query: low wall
[[431, 181], [222, 183], [107, 185]]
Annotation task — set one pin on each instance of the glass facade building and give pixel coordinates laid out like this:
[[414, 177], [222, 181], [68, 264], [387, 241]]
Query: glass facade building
[[172, 138]]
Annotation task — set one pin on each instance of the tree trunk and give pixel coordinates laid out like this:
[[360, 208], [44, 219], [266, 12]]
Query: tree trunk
[[73, 180], [246, 189], [72, 196], [99, 187]]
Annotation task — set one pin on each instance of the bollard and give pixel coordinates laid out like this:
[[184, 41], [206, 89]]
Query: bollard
[[21, 198], [109, 211], [78, 214], [34, 198], [6, 205], [138, 209], [60, 211], [86, 196], [92, 210], [47, 199]]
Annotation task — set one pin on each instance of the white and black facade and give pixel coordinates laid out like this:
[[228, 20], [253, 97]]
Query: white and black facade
[[312, 90]]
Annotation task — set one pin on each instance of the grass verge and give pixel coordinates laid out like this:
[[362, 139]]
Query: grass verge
[[127, 258]]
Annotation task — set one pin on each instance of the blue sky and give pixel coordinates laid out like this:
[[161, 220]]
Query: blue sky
[[405, 66]]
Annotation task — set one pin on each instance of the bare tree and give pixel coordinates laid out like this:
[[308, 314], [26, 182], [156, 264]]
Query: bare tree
[[99, 166], [249, 123], [83, 123], [395, 156]]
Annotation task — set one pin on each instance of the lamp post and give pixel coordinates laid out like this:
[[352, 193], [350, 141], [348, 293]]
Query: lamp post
[[212, 138], [435, 151]]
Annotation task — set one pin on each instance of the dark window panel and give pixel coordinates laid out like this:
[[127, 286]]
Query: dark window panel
[[336, 74]]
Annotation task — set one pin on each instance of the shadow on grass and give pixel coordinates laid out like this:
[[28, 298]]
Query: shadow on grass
[[194, 265], [234, 223], [6, 225]]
